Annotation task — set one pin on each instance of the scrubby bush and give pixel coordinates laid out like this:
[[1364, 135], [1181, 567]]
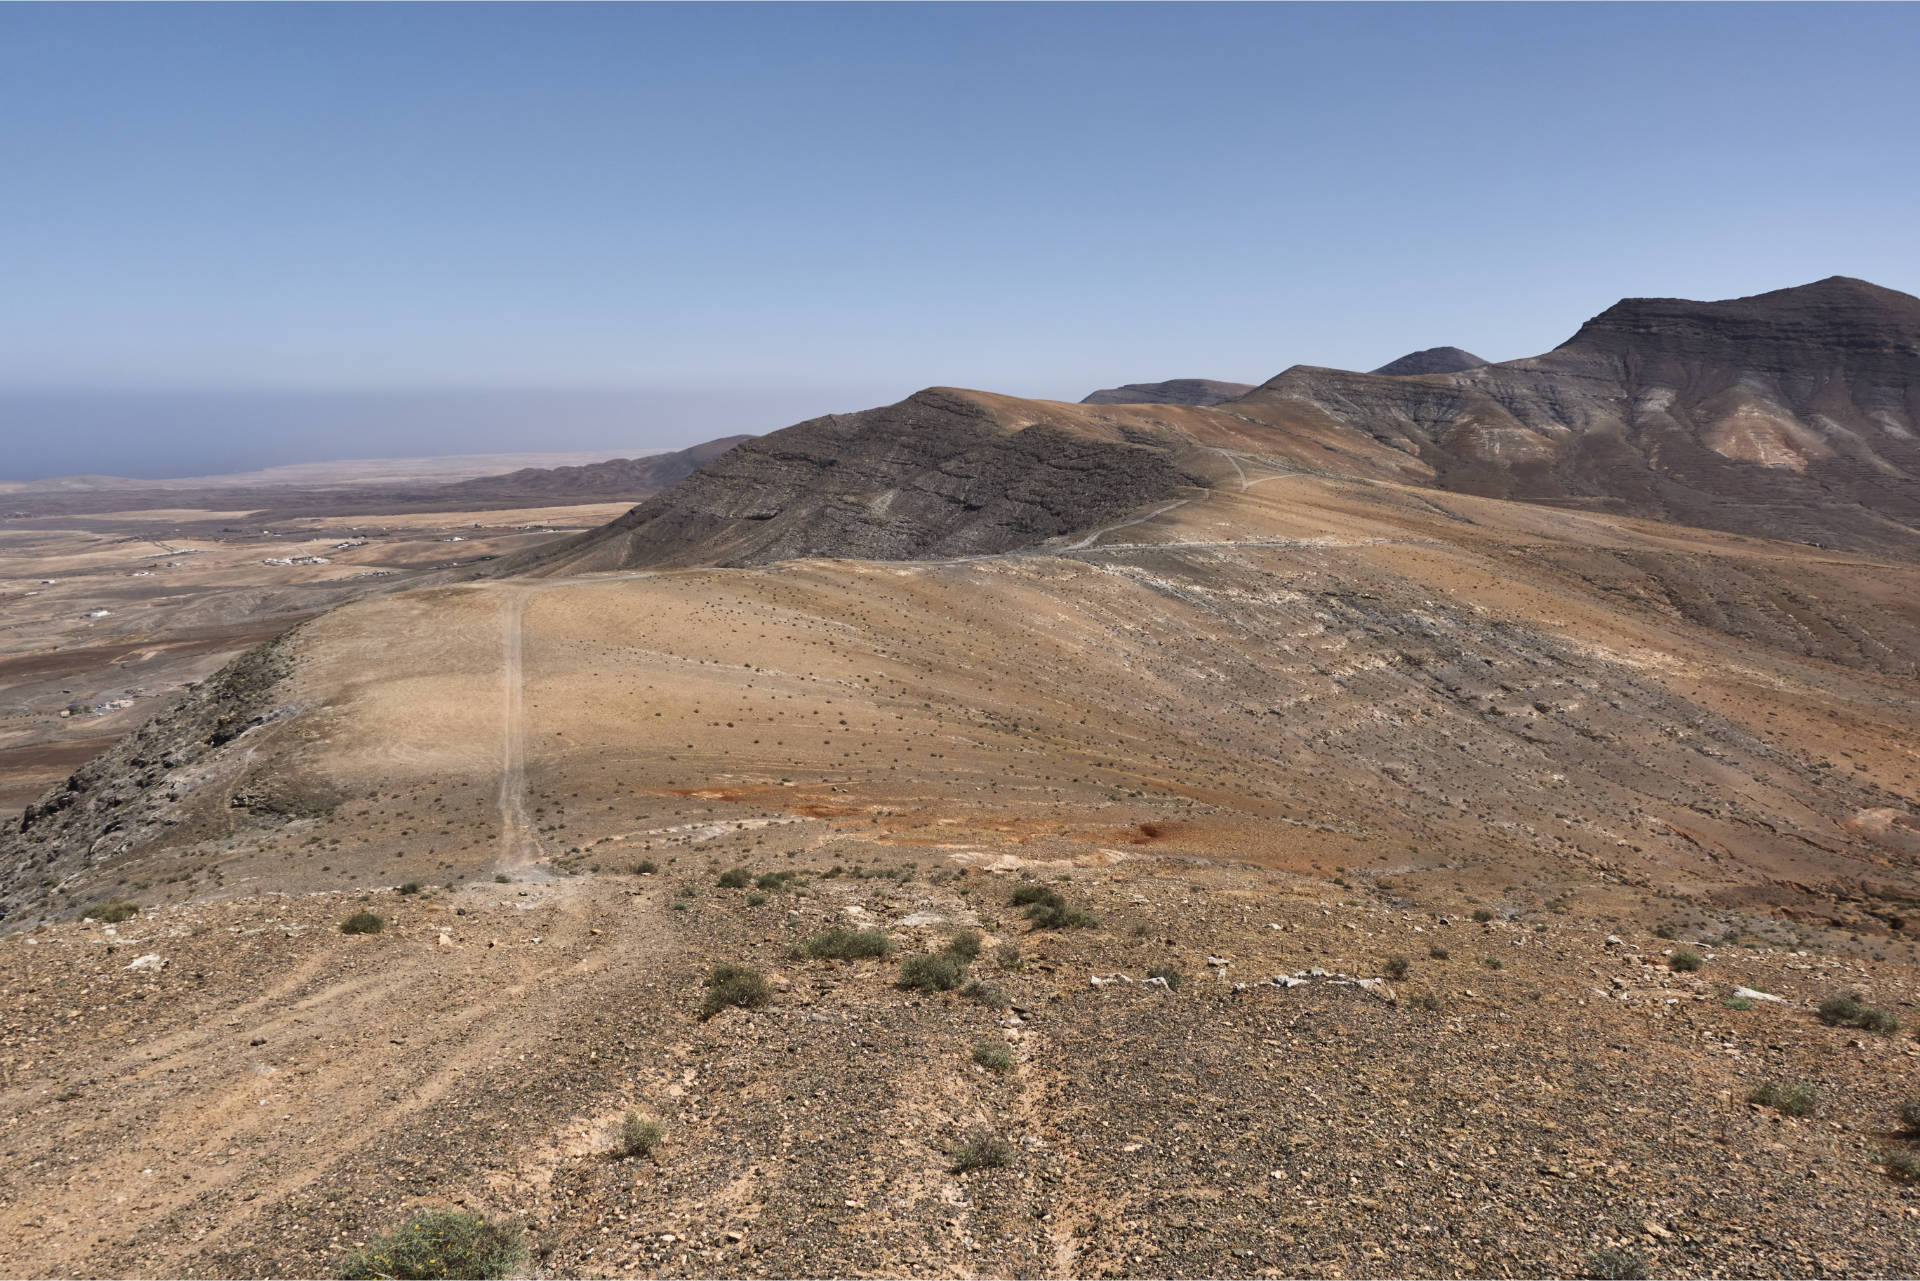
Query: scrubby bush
[[1396, 967], [639, 1135], [734, 985], [1494, 963], [1902, 1164], [734, 878], [1049, 911], [1852, 1010], [1438, 953], [1686, 962], [844, 944], [440, 1243], [1429, 1001], [965, 945], [1482, 915], [1617, 1265], [112, 913], [1167, 972], [362, 923], [1795, 1098], [1741, 1003], [411, 887], [985, 994], [982, 1151], [994, 1056], [501, 878], [756, 899], [937, 972], [774, 880], [1910, 1115], [1665, 931], [645, 867], [1007, 956]]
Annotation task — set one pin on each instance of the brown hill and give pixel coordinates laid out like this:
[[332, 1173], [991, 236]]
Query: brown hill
[[1432, 360], [1175, 391]]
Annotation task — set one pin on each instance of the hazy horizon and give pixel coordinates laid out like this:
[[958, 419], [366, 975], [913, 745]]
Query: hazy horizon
[[237, 230]]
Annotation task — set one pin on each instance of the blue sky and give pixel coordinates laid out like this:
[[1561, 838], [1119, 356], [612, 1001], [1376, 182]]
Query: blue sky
[[236, 235]]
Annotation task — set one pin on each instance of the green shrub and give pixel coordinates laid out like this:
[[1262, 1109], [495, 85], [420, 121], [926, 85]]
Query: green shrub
[[640, 1136], [985, 994], [440, 1243], [1007, 956], [993, 1056], [773, 880], [982, 1151], [1429, 1001], [645, 867], [362, 923], [1396, 967], [844, 944], [1617, 1265], [756, 899], [1910, 1115], [1438, 953], [501, 878], [734, 985], [937, 972], [1482, 915], [1494, 963], [1795, 1098], [411, 887], [112, 913], [1665, 931], [965, 945], [1167, 972], [1902, 1164], [1741, 1003], [1049, 911], [735, 878], [1686, 962], [1852, 1010]]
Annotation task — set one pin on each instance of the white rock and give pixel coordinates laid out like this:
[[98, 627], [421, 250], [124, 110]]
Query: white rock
[[1157, 981], [1220, 961], [152, 961], [1753, 994]]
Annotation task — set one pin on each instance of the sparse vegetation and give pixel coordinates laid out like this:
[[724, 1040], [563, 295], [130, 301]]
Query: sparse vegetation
[[1794, 1098], [1617, 1265], [1007, 956], [499, 878], [411, 887], [985, 994], [362, 923], [995, 1056], [736, 985], [771, 881], [1686, 962], [1494, 963], [934, 972], [645, 867], [844, 944], [1902, 1164], [1049, 911], [112, 913], [965, 945], [640, 1136], [1166, 972], [982, 1151], [1429, 1001], [1740, 1003], [1852, 1010], [1438, 953], [734, 878], [1482, 915], [1910, 1115], [440, 1243], [1396, 967]]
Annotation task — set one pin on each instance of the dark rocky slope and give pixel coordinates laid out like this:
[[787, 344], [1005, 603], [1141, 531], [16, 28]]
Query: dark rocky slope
[[1174, 391], [615, 478], [1792, 414], [1432, 360]]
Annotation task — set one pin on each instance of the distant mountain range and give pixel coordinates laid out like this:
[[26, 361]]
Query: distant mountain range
[[1175, 391], [1792, 414]]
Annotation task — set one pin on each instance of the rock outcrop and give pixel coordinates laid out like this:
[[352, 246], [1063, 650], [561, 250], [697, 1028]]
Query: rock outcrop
[[1174, 391], [1432, 360]]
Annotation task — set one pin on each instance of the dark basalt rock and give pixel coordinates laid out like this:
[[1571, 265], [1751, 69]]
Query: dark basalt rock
[[1174, 391], [1432, 360]]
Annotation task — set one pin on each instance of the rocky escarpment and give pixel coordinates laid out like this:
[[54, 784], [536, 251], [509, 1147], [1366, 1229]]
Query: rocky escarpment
[[146, 786], [1432, 360], [1174, 391], [1792, 414], [942, 473]]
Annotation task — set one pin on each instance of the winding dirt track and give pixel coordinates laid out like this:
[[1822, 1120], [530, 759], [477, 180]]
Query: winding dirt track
[[519, 843]]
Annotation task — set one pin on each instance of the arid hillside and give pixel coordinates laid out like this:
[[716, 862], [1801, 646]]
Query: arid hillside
[[1289, 724]]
